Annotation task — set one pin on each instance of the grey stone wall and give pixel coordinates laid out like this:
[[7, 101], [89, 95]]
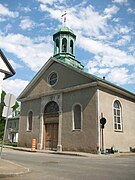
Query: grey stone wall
[[86, 138], [25, 136]]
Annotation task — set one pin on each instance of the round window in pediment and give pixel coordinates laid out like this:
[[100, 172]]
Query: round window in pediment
[[52, 79]]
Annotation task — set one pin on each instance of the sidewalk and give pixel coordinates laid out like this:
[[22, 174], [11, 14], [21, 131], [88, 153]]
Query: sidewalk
[[8, 168], [71, 153]]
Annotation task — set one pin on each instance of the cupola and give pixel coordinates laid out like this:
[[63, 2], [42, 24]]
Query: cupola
[[64, 47], [64, 42]]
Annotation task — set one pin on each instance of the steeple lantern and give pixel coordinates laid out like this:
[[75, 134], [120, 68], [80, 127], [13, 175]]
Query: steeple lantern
[[64, 47], [64, 42]]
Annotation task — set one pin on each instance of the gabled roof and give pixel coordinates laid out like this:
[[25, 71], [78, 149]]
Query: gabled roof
[[5, 66], [100, 82]]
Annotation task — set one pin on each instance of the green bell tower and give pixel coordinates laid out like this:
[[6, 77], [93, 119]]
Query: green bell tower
[[64, 47]]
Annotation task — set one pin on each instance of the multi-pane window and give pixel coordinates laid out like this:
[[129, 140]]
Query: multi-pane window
[[52, 79], [77, 117], [29, 122], [117, 116]]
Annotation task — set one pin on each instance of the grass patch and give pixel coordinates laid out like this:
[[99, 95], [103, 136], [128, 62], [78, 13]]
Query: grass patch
[[14, 144]]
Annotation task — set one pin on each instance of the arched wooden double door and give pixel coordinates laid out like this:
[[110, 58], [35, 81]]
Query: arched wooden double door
[[51, 123]]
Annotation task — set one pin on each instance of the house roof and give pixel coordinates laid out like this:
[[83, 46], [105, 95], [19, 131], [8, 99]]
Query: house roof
[[100, 81], [5, 67]]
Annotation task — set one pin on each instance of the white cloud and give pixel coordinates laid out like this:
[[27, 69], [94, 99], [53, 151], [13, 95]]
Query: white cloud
[[47, 1], [50, 2], [116, 19], [119, 76], [111, 10], [100, 71], [132, 48], [14, 86], [27, 50], [120, 1], [8, 27], [124, 29], [131, 10], [4, 11], [27, 23], [78, 17], [56, 14], [124, 40], [107, 55], [26, 9]]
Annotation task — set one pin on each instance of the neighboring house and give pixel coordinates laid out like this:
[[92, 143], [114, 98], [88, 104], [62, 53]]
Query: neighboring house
[[13, 126], [5, 66], [62, 106], [6, 70]]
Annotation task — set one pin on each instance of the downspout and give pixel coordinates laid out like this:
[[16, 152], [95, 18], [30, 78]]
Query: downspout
[[98, 121]]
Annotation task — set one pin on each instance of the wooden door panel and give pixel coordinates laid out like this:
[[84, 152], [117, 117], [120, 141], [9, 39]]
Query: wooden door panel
[[51, 139]]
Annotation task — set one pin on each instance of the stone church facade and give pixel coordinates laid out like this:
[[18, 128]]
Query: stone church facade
[[62, 106]]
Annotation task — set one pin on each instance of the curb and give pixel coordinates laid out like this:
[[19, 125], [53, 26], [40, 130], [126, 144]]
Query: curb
[[12, 169], [70, 153]]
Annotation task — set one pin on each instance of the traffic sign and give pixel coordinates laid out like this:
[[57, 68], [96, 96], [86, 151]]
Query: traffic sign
[[6, 111], [9, 100]]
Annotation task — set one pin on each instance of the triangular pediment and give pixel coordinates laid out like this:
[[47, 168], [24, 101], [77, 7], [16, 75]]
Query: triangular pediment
[[67, 77], [5, 66]]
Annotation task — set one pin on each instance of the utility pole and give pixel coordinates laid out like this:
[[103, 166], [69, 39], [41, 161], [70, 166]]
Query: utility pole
[[6, 71], [102, 122]]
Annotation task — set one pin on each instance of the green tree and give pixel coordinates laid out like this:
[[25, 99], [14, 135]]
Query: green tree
[[2, 119]]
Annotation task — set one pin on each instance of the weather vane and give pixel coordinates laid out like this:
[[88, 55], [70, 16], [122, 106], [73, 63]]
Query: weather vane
[[64, 18]]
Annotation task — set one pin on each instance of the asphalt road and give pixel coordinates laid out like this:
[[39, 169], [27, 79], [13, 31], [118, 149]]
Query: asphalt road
[[62, 167]]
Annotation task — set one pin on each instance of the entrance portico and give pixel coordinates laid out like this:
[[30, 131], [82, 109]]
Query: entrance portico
[[51, 123]]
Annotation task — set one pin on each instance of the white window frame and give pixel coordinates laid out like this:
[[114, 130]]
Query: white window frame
[[117, 115], [28, 124], [73, 120]]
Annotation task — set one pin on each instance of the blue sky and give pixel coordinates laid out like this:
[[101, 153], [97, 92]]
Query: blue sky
[[105, 42]]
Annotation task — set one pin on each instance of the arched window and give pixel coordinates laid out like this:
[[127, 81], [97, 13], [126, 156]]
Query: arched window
[[71, 46], [117, 116], [64, 45], [77, 117], [51, 108], [57, 46], [29, 121]]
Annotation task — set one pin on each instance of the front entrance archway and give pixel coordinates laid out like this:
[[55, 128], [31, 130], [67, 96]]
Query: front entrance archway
[[51, 123]]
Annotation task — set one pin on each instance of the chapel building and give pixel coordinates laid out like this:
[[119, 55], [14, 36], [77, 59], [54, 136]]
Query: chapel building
[[62, 106]]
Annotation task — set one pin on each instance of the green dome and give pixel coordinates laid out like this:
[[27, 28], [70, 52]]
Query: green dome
[[65, 29]]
